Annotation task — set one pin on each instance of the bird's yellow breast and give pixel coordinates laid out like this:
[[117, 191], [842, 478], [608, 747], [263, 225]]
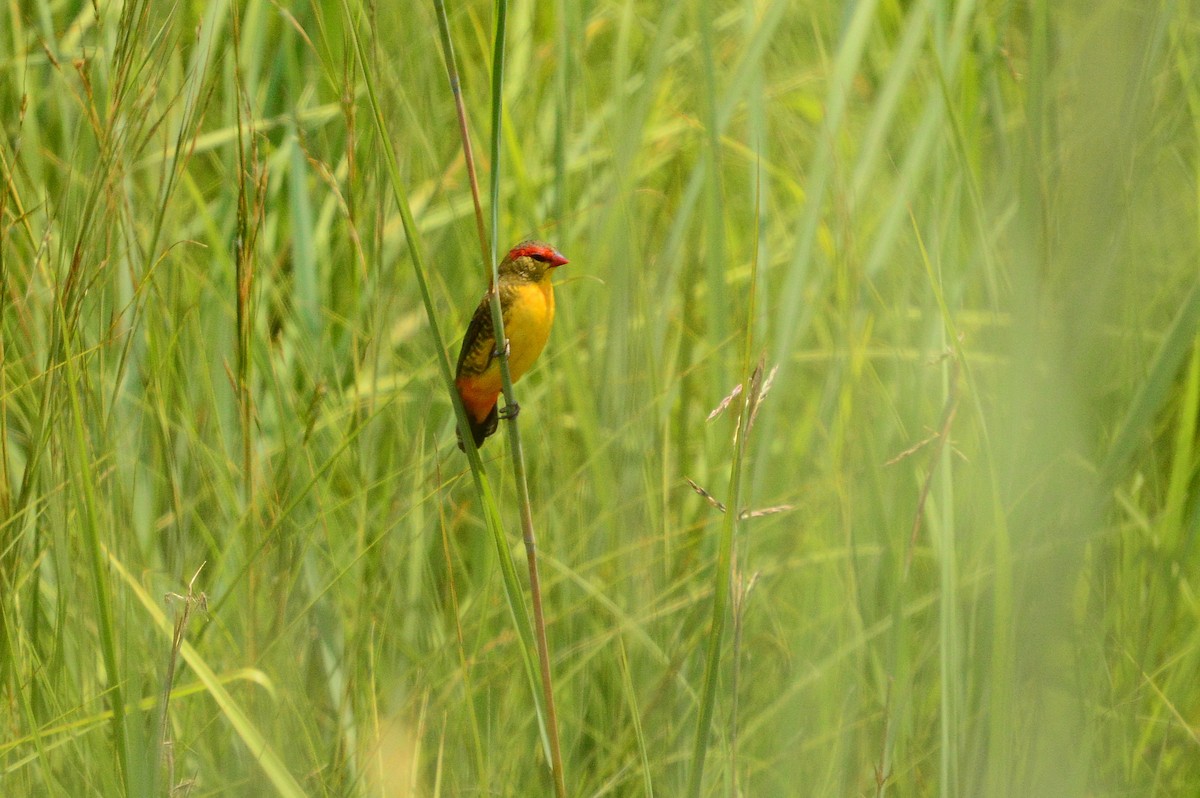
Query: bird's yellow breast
[[527, 320]]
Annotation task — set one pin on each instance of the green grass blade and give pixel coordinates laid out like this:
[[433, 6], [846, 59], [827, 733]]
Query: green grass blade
[[264, 754]]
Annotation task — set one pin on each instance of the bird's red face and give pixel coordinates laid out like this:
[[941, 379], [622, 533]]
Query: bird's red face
[[538, 251]]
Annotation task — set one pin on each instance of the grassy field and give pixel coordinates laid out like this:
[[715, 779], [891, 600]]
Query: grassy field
[[963, 528]]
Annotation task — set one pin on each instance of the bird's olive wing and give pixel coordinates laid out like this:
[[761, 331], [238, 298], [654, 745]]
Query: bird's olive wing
[[479, 344]]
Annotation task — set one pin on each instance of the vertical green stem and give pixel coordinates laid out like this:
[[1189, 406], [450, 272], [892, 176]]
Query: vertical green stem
[[518, 455], [723, 577], [516, 606], [91, 536]]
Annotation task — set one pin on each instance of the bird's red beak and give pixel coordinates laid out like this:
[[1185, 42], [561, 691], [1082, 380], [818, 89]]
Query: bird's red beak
[[556, 258]]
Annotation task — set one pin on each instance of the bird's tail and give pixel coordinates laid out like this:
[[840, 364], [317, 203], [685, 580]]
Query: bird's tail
[[480, 430]]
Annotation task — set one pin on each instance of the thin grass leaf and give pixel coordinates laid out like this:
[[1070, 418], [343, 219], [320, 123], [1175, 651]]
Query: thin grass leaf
[[263, 753]]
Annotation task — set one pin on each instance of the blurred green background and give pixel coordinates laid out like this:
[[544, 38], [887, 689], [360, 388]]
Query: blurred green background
[[974, 233]]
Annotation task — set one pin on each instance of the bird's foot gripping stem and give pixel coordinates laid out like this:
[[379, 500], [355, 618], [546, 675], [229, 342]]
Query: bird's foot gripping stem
[[508, 411]]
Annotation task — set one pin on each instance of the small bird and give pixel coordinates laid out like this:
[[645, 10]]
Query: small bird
[[527, 304]]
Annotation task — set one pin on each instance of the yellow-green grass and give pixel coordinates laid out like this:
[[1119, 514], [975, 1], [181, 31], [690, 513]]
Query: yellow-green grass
[[971, 229]]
